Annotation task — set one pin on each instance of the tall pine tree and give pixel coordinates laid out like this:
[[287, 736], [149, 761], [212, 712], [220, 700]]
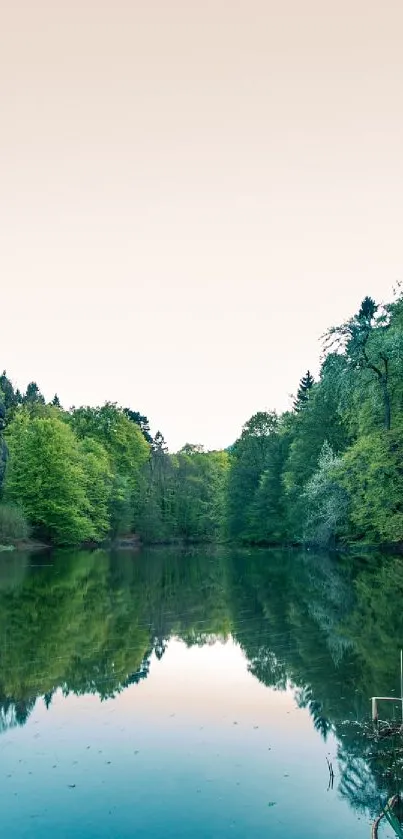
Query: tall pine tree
[[304, 391]]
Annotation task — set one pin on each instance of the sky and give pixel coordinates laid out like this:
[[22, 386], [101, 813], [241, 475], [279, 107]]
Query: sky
[[191, 194]]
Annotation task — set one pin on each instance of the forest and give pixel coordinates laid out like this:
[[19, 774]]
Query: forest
[[327, 472]]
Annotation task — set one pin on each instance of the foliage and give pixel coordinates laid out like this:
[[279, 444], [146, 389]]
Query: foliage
[[122, 438], [304, 391], [120, 506], [33, 394], [256, 452], [364, 340], [326, 500], [127, 450], [199, 480], [141, 421], [185, 496], [266, 515], [308, 430], [98, 485], [3, 447], [331, 469], [11, 398], [327, 471], [372, 473], [13, 524], [46, 477]]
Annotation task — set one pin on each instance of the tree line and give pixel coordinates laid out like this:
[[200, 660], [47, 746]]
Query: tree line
[[328, 471], [91, 474]]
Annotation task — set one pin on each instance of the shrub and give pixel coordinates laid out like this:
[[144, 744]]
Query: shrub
[[13, 524]]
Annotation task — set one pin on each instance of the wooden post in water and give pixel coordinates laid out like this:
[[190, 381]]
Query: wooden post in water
[[376, 699]]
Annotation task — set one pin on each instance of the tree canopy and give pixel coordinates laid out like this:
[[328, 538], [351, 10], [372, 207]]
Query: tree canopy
[[326, 471]]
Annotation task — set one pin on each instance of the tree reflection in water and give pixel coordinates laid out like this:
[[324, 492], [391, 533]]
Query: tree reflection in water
[[327, 627]]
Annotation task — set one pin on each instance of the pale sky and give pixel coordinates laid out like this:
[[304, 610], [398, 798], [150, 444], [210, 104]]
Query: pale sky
[[190, 194]]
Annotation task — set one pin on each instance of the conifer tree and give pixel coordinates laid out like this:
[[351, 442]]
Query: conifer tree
[[303, 392]]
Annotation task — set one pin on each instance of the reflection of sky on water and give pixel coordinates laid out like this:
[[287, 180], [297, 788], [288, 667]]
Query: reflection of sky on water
[[200, 748]]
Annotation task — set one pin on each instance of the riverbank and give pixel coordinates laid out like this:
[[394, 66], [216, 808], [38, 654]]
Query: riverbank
[[133, 541], [129, 542], [26, 545]]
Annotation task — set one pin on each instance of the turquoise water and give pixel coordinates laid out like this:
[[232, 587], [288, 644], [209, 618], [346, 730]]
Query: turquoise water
[[198, 694]]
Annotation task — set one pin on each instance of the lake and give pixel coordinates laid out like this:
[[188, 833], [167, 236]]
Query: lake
[[200, 693]]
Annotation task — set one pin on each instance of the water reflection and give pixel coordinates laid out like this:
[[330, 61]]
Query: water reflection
[[329, 629]]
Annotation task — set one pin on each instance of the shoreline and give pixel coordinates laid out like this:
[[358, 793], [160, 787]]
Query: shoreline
[[27, 545], [134, 542]]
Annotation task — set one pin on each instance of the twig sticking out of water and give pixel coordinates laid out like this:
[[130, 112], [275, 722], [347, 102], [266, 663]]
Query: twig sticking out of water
[[331, 773]]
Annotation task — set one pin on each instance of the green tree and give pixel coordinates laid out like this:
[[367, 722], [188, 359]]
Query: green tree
[[157, 520], [250, 457], [141, 421], [304, 390], [199, 481], [10, 397], [120, 506], [267, 522], [3, 446], [98, 486], [326, 501], [33, 395], [46, 477], [13, 525], [371, 471], [128, 452], [121, 437], [321, 421], [159, 445], [365, 341]]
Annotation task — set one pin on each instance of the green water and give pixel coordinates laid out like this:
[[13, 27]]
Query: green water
[[196, 694]]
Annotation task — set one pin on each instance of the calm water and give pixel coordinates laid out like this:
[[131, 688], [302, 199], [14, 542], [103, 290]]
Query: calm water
[[200, 694]]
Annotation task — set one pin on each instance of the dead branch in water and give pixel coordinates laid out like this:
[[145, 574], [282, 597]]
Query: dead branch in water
[[331, 773], [390, 805]]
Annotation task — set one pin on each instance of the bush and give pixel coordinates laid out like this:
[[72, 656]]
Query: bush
[[13, 524]]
